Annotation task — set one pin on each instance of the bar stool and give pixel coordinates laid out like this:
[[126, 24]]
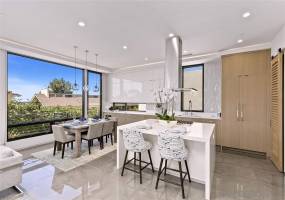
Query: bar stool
[[172, 147], [134, 142]]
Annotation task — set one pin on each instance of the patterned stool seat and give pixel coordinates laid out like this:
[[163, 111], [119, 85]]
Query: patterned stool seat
[[134, 141], [171, 146]]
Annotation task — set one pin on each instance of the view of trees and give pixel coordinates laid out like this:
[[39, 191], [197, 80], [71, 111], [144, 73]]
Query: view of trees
[[60, 86]]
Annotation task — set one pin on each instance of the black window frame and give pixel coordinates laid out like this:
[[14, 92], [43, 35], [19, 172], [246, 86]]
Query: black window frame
[[48, 121], [182, 93], [101, 92]]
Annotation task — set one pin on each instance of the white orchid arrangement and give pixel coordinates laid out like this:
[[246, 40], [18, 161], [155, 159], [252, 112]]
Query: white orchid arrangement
[[165, 99]]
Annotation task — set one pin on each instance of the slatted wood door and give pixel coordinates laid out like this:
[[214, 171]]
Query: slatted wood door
[[277, 110]]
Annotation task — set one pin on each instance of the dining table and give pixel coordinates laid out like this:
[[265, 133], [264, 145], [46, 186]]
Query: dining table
[[78, 127]]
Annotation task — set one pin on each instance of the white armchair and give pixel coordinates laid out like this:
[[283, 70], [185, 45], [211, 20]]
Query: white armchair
[[10, 167]]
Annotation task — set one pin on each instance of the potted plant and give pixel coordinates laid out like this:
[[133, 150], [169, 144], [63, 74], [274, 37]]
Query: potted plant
[[165, 99]]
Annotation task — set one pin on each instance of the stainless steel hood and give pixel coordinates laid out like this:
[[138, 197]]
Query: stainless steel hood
[[173, 65], [173, 62]]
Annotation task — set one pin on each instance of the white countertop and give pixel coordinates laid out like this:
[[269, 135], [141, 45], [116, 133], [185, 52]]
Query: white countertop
[[178, 114], [201, 132]]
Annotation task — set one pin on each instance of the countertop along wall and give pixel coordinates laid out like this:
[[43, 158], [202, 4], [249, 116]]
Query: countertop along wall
[[137, 85]]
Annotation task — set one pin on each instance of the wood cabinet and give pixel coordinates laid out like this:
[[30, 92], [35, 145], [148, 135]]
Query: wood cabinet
[[245, 100]]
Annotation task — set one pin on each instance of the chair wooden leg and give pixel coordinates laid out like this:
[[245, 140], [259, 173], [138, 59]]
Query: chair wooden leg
[[165, 166], [101, 141], [186, 164], [150, 161], [159, 172], [89, 144], [62, 151], [54, 148], [181, 180], [135, 157], [71, 145], [126, 156], [112, 139], [140, 158]]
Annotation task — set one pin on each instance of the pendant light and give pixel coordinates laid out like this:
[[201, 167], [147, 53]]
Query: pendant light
[[96, 88], [75, 86]]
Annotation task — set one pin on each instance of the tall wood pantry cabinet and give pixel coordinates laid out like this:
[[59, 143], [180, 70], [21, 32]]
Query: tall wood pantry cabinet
[[245, 101]]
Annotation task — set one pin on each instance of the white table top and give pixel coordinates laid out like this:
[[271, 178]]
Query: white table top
[[201, 132]]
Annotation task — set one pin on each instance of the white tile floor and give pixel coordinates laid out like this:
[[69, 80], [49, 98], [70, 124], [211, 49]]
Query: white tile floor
[[236, 177]]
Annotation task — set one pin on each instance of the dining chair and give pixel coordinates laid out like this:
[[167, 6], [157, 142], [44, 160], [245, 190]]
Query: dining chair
[[171, 147], [94, 132], [61, 137], [108, 129], [134, 142]]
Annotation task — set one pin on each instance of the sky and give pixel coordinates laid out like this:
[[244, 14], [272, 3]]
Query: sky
[[27, 76]]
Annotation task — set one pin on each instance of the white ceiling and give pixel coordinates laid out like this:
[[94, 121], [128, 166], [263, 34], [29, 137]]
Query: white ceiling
[[204, 26]]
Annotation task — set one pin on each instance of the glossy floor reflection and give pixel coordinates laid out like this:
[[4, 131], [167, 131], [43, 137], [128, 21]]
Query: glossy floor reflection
[[236, 177]]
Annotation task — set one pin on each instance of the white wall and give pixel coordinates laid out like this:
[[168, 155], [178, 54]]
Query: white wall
[[135, 85], [3, 97], [138, 85], [279, 42]]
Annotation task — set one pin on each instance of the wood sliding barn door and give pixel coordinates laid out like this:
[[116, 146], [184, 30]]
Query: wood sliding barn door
[[277, 110], [245, 98]]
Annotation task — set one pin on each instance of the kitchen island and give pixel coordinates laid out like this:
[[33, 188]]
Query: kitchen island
[[199, 140]]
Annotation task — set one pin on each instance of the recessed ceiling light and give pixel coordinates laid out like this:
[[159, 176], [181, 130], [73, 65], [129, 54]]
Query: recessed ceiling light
[[146, 58], [240, 41], [125, 47], [81, 24], [185, 51], [246, 14], [171, 34]]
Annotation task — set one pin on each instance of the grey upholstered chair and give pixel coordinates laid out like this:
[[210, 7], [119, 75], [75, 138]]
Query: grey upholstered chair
[[61, 137], [108, 129], [94, 132], [134, 142], [171, 147]]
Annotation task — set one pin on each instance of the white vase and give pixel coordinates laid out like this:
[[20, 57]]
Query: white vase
[[169, 124]]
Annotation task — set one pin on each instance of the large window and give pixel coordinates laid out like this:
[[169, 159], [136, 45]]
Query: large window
[[94, 94], [41, 93], [193, 77]]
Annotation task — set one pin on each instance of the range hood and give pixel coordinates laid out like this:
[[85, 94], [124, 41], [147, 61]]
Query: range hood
[[173, 65]]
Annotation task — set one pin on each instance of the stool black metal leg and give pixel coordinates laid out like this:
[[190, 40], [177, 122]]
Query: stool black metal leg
[[54, 148], [140, 158], [159, 172], [63, 148], [71, 145], [150, 161], [181, 179], [186, 164], [135, 157], [126, 156], [112, 139], [165, 166]]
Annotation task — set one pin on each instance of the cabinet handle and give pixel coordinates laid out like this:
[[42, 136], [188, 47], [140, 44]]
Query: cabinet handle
[[241, 112], [238, 112]]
